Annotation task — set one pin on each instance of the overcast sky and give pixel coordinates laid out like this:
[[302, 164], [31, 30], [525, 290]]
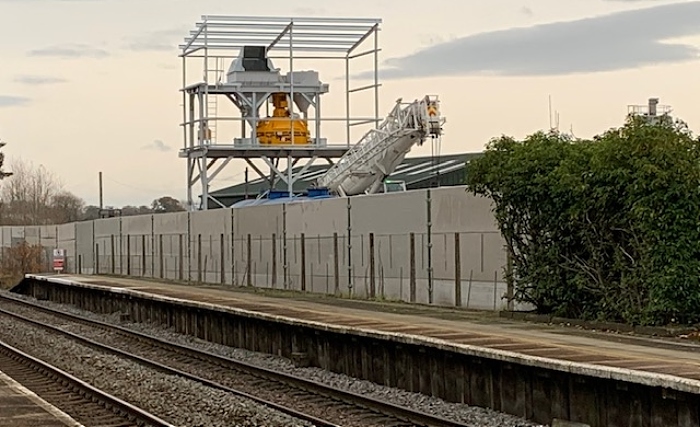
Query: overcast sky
[[92, 85]]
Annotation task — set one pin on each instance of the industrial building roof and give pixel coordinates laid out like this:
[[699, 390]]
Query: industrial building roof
[[412, 171]]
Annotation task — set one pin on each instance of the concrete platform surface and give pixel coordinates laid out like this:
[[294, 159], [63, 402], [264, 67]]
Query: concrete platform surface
[[674, 358], [20, 407]]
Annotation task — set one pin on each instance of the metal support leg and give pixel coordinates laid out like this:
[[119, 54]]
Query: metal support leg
[[290, 182], [204, 179]]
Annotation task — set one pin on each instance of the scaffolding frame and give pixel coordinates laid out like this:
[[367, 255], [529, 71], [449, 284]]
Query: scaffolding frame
[[220, 38]]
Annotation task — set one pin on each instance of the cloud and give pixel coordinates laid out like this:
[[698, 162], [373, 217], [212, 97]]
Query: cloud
[[38, 80], [527, 11], [70, 51], [158, 41], [157, 145], [621, 40], [13, 101], [309, 11], [167, 66]]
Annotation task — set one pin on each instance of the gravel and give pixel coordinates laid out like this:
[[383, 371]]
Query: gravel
[[175, 399], [468, 415]]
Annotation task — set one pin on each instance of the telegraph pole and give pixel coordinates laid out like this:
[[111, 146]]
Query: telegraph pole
[[100, 178]]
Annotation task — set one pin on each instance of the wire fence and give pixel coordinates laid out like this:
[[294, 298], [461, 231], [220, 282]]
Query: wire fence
[[460, 269]]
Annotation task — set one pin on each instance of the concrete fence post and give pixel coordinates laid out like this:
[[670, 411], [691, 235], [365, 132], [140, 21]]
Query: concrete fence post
[[249, 261], [161, 257], [112, 254], [189, 246], [458, 272], [285, 255], [372, 268], [469, 288], [274, 260], [181, 257], [233, 258], [96, 268], [210, 259], [510, 285], [199, 258], [128, 255], [222, 257], [495, 289], [336, 265], [303, 263], [121, 253], [153, 247], [349, 247], [429, 224], [412, 266], [143, 255]]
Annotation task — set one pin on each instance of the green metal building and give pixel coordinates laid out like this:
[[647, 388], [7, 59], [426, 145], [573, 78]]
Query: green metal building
[[415, 172]]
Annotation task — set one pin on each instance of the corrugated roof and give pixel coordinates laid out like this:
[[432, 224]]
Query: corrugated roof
[[412, 170]]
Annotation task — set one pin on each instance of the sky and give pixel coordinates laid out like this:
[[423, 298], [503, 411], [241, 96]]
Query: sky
[[93, 85]]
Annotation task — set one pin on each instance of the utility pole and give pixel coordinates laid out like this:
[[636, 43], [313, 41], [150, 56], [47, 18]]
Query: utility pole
[[101, 205]]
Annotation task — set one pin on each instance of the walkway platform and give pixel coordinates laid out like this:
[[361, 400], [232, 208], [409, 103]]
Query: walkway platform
[[623, 353], [20, 407]]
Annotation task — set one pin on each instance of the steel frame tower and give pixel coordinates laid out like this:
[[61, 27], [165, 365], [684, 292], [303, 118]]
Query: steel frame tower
[[220, 39], [652, 112]]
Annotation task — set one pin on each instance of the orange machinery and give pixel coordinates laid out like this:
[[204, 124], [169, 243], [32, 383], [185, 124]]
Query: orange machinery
[[277, 130]]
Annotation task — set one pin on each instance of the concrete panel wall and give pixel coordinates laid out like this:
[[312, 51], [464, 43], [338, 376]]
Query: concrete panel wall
[[438, 246], [66, 240], [394, 213], [258, 237], [32, 235], [453, 209], [5, 237], [137, 245], [171, 233], [108, 249], [84, 247], [47, 240], [210, 244], [323, 217], [47, 235], [258, 220]]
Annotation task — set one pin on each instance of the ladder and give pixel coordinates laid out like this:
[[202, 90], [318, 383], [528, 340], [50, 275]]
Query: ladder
[[213, 101]]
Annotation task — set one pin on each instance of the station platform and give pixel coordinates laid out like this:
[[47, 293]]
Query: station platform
[[19, 407], [668, 358]]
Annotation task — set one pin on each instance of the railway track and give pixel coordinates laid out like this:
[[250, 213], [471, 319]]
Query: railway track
[[302, 398], [83, 402]]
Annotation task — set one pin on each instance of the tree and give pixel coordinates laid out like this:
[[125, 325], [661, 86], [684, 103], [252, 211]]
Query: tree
[[35, 196], [136, 210], [166, 204], [601, 229], [67, 207], [3, 174]]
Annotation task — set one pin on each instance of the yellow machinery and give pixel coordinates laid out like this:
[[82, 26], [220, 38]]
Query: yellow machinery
[[276, 130]]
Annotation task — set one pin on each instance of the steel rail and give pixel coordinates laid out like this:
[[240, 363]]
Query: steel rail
[[120, 407], [412, 416]]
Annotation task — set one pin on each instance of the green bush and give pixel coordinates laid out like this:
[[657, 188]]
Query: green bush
[[606, 229]]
